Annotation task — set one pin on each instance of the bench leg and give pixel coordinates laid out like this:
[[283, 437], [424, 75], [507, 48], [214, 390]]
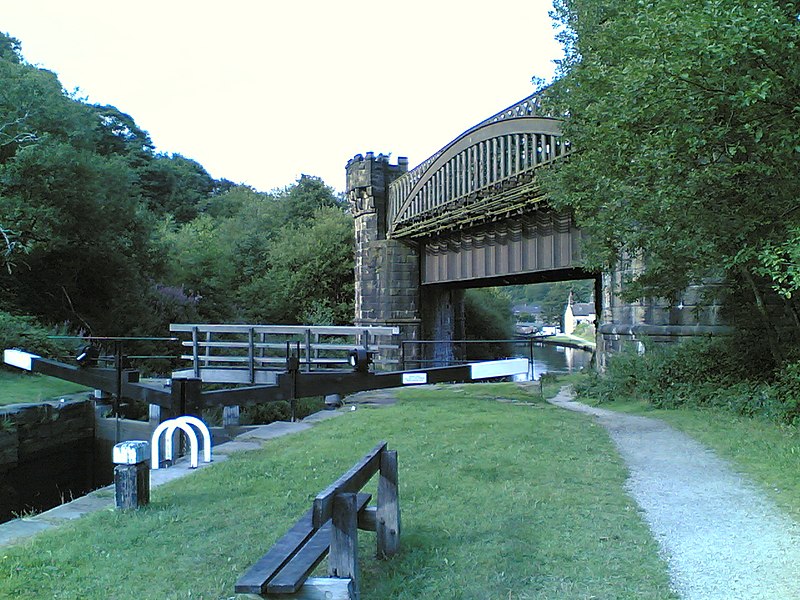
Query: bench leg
[[387, 526], [343, 558]]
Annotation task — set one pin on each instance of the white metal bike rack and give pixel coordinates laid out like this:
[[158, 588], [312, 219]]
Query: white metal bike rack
[[185, 424]]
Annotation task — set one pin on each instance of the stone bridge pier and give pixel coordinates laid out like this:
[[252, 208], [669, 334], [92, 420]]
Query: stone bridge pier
[[387, 271]]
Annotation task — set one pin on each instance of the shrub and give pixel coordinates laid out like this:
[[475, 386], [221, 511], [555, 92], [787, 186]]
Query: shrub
[[787, 391], [26, 333], [261, 414], [712, 373]]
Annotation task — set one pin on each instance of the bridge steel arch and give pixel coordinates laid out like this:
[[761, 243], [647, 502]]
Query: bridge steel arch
[[474, 214]]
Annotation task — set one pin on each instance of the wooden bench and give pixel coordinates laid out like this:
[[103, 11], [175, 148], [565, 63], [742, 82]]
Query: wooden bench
[[331, 527]]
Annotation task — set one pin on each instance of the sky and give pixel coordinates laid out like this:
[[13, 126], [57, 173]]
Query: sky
[[262, 91]]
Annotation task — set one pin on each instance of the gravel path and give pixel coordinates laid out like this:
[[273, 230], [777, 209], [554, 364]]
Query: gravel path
[[722, 537]]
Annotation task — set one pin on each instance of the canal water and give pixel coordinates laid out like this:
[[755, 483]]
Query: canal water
[[555, 359]]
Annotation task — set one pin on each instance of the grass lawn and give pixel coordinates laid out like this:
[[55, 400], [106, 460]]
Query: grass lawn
[[765, 451], [502, 496], [25, 387]]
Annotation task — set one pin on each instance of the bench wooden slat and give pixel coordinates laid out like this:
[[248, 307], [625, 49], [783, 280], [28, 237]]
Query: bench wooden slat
[[292, 576], [256, 578], [352, 481], [294, 573]]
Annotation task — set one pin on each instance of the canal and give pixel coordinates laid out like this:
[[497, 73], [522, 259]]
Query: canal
[[548, 358]]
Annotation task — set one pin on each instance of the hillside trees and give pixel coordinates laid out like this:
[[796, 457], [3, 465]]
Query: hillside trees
[[285, 257], [102, 234], [686, 124]]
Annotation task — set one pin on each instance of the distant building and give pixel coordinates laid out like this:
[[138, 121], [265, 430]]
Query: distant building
[[576, 313], [527, 312]]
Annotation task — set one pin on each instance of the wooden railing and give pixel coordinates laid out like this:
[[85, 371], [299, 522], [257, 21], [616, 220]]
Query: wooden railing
[[252, 354]]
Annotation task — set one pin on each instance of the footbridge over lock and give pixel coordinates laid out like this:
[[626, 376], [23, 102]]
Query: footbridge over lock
[[474, 214]]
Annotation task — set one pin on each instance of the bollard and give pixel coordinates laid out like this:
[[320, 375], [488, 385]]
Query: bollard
[[132, 474]]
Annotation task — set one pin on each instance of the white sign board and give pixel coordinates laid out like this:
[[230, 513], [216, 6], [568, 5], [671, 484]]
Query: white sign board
[[499, 368], [415, 378]]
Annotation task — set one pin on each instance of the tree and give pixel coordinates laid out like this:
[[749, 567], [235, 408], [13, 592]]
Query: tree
[[88, 241], [175, 185], [488, 316], [310, 278], [300, 200], [685, 119]]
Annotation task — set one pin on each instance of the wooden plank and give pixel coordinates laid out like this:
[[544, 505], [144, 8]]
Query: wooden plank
[[317, 588], [388, 513], [343, 561], [352, 481], [299, 566], [368, 518], [255, 580]]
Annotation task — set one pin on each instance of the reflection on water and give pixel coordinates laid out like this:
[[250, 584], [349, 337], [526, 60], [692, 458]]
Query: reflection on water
[[554, 359]]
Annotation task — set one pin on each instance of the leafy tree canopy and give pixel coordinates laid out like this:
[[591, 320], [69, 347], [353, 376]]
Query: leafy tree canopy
[[101, 232], [685, 119]]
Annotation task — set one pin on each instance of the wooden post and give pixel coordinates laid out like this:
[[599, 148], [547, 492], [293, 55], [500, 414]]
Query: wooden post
[[230, 416], [131, 474], [343, 559], [388, 516]]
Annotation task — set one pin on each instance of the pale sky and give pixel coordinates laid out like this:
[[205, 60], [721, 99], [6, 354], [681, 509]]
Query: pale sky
[[262, 91]]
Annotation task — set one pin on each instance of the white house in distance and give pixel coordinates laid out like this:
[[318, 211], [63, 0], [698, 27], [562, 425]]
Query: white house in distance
[[576, 313]]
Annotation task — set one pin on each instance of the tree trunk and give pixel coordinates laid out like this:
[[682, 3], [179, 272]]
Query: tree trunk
[[761, 307]]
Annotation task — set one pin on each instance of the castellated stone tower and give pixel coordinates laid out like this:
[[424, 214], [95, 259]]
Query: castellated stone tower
[[387, 278]]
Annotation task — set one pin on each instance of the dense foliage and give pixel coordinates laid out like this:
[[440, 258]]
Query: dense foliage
[[701, 374], [685, 119], [551, 298], [487, 316], [102, 234]]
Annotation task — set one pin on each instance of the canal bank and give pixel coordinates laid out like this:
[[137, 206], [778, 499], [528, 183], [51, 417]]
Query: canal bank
[[251, 438], [52, 452]]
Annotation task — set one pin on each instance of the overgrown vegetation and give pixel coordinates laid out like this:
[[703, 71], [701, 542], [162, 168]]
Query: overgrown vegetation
[[719, 373], [101, 234], [260, 414], [27, 333], [686, 150], [502, 496]]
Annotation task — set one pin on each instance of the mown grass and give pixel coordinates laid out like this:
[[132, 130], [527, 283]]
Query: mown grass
[[765, 451], [502, 496], [26, 387]]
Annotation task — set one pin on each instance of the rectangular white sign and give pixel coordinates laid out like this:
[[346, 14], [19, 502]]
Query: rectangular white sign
[[414, 378]]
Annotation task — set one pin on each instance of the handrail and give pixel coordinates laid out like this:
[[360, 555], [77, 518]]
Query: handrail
[[243, 353]]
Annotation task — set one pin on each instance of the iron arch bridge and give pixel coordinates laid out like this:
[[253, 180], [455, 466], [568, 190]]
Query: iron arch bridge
[[476, 208], [485, 173], [474, 214]]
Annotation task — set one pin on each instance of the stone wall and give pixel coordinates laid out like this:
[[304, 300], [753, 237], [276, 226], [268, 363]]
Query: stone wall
[[697, 313], [46, 454]]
